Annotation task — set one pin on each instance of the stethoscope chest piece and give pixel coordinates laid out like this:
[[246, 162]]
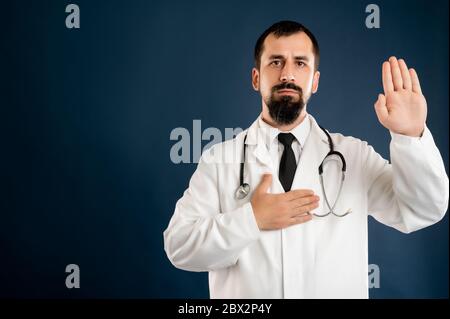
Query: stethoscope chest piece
[[242, 191]]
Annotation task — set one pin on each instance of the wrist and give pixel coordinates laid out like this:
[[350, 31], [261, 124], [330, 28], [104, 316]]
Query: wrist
[[412, 133]]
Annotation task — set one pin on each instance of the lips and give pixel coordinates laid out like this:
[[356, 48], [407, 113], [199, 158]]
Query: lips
[[287, 91]]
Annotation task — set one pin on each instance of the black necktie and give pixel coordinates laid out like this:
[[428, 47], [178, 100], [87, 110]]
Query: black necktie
[[288, 165]]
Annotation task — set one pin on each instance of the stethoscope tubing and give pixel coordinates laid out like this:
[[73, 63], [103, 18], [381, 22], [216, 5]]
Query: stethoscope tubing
[[244, 188]]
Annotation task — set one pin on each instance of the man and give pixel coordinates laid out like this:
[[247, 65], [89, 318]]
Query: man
[[271, 243]]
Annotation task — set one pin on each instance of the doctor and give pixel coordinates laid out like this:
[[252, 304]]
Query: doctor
[[295, 235]]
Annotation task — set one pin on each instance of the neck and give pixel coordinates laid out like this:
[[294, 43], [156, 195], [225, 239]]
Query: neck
[[283, 127]]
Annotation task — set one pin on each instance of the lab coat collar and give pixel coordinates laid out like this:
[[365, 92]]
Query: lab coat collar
[[314, 150], [270, 133]]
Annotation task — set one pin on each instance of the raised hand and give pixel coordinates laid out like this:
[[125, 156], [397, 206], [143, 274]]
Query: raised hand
[[402, 109]]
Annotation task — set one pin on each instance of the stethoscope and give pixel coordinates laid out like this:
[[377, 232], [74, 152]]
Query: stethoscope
[[244, 188]]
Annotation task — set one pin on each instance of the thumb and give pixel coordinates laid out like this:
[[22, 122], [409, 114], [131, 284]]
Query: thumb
[[265, 183], [381, 109]]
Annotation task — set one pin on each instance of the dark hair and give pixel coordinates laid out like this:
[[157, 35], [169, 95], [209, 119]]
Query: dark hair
[[285, 28]]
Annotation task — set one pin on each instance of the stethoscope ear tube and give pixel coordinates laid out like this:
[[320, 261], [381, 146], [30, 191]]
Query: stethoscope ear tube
[[327, 202], [344, 168]]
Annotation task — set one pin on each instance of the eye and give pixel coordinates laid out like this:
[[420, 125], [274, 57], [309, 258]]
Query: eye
[[276, 63], [301, 64]]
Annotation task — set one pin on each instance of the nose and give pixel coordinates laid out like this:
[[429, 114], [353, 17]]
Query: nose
[[287, 74], [287, 78]]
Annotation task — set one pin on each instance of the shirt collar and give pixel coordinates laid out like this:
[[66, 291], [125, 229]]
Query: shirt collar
[[270, 133]]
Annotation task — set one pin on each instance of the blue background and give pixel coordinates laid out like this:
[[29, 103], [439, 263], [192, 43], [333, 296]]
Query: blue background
[[86, 116]]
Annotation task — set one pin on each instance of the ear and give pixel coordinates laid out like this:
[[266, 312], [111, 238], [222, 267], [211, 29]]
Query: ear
[[315, 85], [255, 79]]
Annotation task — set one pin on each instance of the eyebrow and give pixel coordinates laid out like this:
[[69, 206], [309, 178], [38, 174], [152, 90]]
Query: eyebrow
[[280, 57]]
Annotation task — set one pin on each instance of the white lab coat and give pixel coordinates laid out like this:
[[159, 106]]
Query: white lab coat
[[325, 258]]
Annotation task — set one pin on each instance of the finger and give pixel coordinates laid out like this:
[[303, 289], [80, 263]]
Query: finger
[[381, 108], [299, 219], [304, 201], [304, 209], [396, 74], [407, 85], [388, 86], [415, 81], [264, 184], [298, 193]]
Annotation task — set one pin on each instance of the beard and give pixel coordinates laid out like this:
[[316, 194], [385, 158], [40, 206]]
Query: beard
[[285, 109]]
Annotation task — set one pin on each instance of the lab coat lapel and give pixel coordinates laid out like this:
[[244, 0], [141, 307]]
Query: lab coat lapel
[[261, 161], [254, 138], [314, 151]]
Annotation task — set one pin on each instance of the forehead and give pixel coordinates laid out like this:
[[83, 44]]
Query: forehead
[[295, 44]]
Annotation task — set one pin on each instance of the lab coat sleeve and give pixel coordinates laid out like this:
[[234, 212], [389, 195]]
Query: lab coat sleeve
[[412, 192], [200, 237]]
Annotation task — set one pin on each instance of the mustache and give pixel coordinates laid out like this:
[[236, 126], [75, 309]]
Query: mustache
[[289, 86]]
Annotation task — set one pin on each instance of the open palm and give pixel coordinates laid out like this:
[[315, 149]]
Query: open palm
[[402, 109]]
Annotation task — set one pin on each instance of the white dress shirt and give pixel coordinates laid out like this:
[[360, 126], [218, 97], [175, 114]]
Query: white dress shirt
[[275, 148]]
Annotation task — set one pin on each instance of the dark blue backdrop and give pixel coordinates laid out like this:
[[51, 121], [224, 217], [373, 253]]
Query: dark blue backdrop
[[86, 117]]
